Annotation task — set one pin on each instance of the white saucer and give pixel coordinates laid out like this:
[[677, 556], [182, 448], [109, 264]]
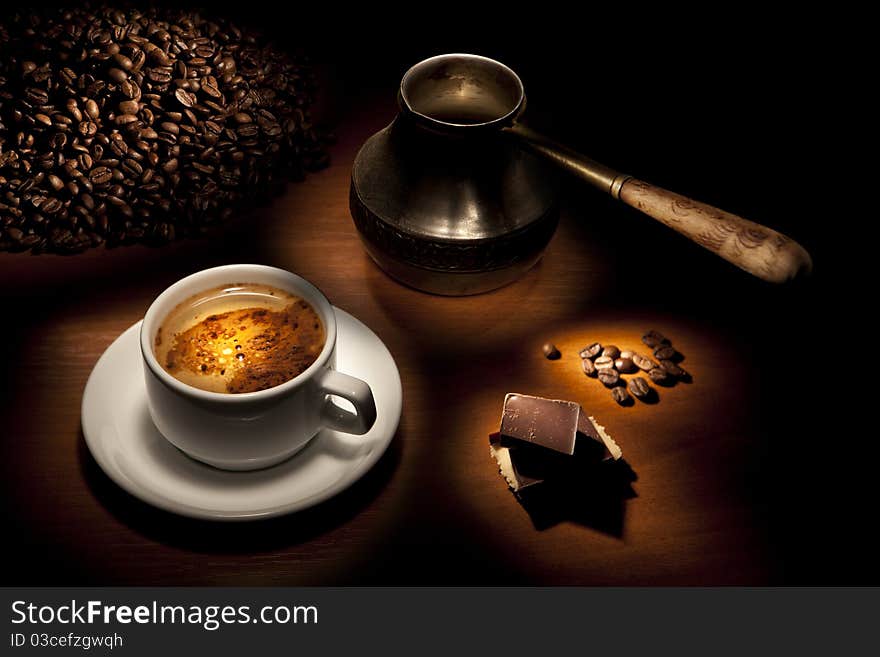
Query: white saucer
[[128, 447]]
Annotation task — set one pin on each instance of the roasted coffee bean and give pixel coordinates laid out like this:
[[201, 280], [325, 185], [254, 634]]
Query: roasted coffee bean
[[655, 339], [672, 369], [626, 353], [100, 175], [639, 387], [611, 351], [659, 375], [56, 182], [117, 75], [609, 376], [625, 365], [621, 396], [666, 353], [129, 107], [604, 362], [588, 366], [92, 110], [185, 98], [167, 116], [123, 62], [550, 351], [590, 351], [130, 89], [643, 362]]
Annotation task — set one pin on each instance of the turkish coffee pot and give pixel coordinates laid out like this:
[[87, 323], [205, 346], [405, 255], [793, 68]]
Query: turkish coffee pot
[[456, 197]]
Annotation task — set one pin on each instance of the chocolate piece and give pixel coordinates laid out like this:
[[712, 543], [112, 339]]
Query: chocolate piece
[[550, 351], [550, 423], [555, 424], [588, 426], [516, 479]]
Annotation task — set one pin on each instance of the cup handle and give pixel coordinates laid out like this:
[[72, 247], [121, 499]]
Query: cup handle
[[354, 390]]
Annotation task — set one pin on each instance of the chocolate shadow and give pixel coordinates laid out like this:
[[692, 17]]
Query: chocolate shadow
[[590, 494], [248, 537]]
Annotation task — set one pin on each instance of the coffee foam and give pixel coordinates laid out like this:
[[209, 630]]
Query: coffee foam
[[239, 338]]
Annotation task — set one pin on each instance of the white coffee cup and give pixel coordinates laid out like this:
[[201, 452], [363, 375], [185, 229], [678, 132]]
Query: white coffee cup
[[251, 430]]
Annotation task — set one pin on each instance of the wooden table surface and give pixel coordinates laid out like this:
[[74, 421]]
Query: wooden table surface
[[713, 496]]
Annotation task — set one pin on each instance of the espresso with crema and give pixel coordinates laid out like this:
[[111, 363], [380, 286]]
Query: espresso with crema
[[239, 338]]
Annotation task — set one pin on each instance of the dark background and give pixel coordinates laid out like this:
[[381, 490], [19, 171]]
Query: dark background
[[734, 107]]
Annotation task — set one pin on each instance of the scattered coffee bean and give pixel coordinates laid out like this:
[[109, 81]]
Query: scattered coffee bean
[[643, 362], [550, 351], [621, 396], [655, 339], [639, 387], [611, 351], [604, 363], [658, 375], [591, 351], [609, 376], [625, 365], [665, 352], [588, 366], [672, 369], [626, 353]]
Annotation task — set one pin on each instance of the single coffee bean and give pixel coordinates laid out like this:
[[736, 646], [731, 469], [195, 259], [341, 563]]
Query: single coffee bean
[[604, 362], [643, 362], [665, 352], [550, 351], [117, 75], [588, 366], [609, 376], [185, 98], [55, 181], [626, 353], [590, 351], [129, 107], [130, 89], [625, 365], [101, 175], [92, 109], [639, 387], [658, 375], [655, 339], [672, 369], [621, 396], [123, 62], [611, 351]]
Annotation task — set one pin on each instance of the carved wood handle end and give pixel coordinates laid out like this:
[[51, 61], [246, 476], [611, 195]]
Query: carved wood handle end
[[762, 251]]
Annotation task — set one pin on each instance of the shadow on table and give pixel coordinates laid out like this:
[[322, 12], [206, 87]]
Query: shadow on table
[[594, 495], [238, 537]]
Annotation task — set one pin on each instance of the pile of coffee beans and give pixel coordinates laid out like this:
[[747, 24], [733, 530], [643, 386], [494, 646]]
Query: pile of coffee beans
[[607, 363], [121, 126]]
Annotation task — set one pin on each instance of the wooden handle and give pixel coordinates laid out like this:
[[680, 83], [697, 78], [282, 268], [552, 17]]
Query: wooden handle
[[759, 250]]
